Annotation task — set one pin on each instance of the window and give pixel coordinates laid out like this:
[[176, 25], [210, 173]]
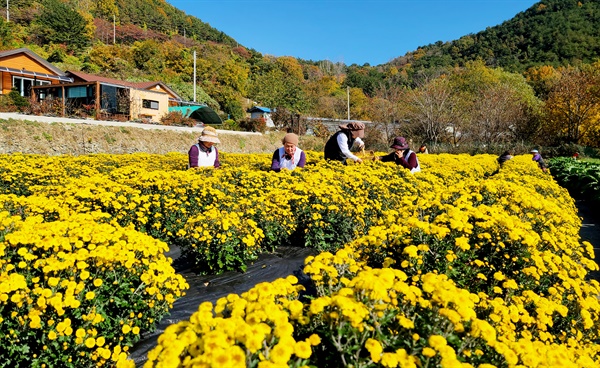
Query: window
[[75, 92], [23, 85], [149, 104]]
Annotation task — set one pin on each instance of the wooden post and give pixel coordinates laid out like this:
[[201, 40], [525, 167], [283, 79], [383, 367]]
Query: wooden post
[[97, 107], [63, 100]]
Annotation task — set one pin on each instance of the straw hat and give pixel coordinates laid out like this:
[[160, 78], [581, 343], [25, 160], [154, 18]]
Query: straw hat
[[209, 134]]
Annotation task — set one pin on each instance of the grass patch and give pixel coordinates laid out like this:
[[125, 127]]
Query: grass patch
[[109, 139]]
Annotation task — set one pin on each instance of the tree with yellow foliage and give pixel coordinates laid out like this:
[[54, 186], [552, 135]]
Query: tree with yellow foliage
[[572, 108]]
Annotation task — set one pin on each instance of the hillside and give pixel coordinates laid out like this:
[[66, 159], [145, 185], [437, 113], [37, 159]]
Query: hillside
[[143, 40], [552, 32]]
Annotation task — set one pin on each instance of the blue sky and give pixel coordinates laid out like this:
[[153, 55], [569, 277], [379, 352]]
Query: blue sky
[[349, 31]]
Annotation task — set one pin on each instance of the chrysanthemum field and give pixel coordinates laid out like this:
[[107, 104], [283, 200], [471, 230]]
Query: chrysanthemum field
[[464, 264]]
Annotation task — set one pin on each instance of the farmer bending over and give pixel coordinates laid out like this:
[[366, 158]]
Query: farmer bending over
[[402, 155], [338, 146]]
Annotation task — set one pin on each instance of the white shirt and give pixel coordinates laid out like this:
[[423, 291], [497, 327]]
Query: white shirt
[[342, 141]]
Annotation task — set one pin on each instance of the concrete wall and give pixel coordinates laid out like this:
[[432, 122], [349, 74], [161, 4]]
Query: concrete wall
[[138, 111]]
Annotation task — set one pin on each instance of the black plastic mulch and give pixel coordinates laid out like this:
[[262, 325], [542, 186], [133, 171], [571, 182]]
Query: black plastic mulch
[[590, 229], [283, 262]]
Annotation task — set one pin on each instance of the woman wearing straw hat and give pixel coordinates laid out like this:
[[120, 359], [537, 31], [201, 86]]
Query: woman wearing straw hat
[[338, 146], [289, 156], [402, 155], [204, 154]]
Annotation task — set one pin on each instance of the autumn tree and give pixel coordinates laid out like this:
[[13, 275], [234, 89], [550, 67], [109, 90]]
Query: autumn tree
[[148, 56], [541, 79], [495, 115], [386, 109], [109, 59], [179, 60], [224, 76], [325, 95], [359, 105], [6, 34], [431, 111], [495, 105], [105, 9], [366, 78], [572, 109]]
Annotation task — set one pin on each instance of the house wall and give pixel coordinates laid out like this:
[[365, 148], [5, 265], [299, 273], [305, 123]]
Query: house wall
[[158, 88], [257, 115], [263, 115], [138, 111], [6, 82], [21, 61]]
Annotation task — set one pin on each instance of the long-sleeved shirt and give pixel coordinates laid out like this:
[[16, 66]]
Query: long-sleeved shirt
[[281, 160], [538, 158], [408, 161], [200, 155], [342, 141]]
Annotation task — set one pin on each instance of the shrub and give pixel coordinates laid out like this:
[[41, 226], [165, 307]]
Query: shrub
[[176, 118], [254, 125], [6, 104], [231, 124], [20, 102], [321, 131], [48, 106]]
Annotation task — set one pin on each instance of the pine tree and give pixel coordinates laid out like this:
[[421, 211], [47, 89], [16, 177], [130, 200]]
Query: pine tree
[[63, 25]]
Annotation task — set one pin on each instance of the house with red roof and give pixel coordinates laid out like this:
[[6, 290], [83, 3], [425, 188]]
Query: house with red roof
[[87, 95], [109, 98]]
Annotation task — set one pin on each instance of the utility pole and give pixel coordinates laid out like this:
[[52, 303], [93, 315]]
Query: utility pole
[[114, 29], [194, 75], [348, 92]]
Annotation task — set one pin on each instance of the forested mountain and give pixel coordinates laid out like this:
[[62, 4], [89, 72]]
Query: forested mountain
[[521, 66], [551, 32]]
